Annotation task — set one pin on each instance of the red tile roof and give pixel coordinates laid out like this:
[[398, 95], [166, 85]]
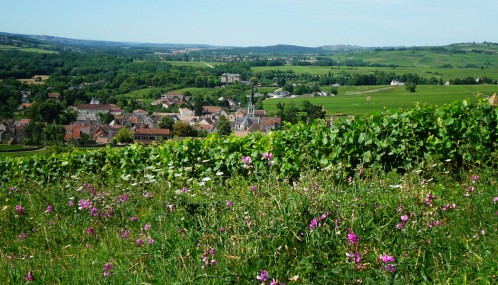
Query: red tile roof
[[144, 131]]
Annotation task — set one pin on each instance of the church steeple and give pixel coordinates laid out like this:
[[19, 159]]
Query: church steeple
[[250, 106]]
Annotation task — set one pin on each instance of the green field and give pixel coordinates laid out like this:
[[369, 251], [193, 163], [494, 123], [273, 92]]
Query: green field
[[425, 72], [194, 63], [387, 97], [448, 63], [38, 50]]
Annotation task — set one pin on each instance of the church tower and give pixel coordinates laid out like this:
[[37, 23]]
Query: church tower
[[250, 106]]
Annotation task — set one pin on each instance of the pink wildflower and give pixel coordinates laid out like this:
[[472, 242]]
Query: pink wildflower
[[94, 212], [29, 277], [390, 267], [386, 258], [246, 160], [20, 209], [313, 224], [263, 276], [352, 237]]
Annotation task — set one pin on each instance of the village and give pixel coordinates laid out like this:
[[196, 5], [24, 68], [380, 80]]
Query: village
[[145, 125]]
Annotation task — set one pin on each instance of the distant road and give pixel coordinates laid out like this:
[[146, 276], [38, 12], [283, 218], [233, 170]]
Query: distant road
[[368, 91], [209, 65]]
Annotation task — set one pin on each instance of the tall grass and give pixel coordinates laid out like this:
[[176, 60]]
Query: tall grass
[[322, 228]]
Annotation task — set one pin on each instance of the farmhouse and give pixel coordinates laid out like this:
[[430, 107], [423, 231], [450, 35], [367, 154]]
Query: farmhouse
[[397, 82], [229, 78], [90, 111], [147, 136]]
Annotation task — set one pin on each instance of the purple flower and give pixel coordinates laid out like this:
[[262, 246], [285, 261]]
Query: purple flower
[[222, 229], [390, 267], [352, 237], [147, 227], [132, 219], [495, 199], [213, 262], [71, 203], [84, 204], [246, 160], [123, 198], [313, 224], [404, 218], [90, 231], [386, 258], [212, 251], [263, 276], [108, 266], [125, 233], [355, 257], [20, 209], [140, 242], [428, 198], [171, 208], [29, 277], [267, 155], [229, 203], [254, 188], [94, 212], [49, 209], [400, 225], [151, 241], [23, 236]]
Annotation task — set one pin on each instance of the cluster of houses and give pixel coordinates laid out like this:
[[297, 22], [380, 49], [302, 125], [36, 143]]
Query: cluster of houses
[[144, 125]]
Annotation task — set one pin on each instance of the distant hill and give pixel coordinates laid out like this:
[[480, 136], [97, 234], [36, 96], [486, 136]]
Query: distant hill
[[59, 43], [275, 49], [100, 44]]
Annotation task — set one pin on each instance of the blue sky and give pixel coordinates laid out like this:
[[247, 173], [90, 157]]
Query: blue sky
[[309, 23]]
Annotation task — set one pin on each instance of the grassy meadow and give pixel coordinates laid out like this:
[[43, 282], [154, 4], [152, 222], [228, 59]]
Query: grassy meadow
[[26, 49], [425, 227], [458, 61], [425, 72]]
